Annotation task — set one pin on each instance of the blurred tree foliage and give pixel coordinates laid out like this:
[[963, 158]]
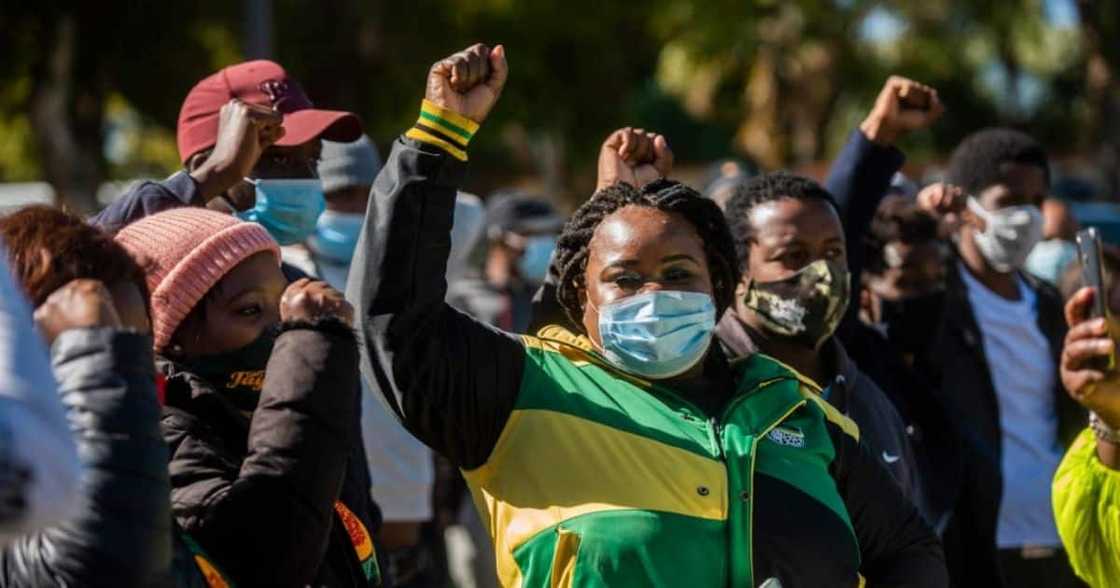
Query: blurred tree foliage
[[91, 90]]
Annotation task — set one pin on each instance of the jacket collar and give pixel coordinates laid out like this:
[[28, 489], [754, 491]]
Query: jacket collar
[[733, 336], [190, 393], [749, 368], [739, 347], [737, 343]]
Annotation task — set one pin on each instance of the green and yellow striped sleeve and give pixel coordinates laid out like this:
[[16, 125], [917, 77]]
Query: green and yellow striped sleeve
[[443, 128]]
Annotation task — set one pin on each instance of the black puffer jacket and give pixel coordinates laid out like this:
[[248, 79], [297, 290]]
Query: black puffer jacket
[[258, 494], [122, 536]]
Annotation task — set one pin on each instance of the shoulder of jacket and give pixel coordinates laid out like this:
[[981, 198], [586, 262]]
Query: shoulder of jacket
[[832, 416], [868, 395]]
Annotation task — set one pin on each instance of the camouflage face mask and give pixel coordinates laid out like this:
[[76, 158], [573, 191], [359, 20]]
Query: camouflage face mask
[[807, 306]]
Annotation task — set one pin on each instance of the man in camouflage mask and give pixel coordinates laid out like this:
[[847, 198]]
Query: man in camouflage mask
[[793, 295], [807, 306]]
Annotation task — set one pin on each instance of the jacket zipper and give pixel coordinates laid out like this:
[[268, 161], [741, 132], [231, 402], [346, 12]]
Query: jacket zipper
[[715, 427], [714, 433]]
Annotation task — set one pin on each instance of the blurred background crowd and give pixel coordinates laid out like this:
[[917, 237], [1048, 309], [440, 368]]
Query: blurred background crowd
[[90, 96], [92, 91]]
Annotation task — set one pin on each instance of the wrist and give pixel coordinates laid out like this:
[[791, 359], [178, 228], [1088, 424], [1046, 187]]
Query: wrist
[[213, 180], [878, 131], [443, 128], [1109, 454], [1106, 420]]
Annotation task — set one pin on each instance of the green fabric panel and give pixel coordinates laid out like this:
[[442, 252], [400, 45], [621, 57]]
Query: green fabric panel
[[633, 548], [748, 417], [551, 382]]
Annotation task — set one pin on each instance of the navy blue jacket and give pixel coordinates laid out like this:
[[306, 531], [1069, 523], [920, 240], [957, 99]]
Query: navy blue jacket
[[859, 179], [147, 198]]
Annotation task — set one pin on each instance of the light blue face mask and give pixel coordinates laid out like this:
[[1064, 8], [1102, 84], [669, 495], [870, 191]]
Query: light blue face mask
[[1050, 258], [336, 236], [538, 254], [287, 208], [659, 334]]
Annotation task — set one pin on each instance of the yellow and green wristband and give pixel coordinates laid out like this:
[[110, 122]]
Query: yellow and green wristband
[[445, 129]]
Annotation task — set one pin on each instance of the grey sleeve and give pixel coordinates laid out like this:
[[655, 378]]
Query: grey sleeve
[[121, 534]]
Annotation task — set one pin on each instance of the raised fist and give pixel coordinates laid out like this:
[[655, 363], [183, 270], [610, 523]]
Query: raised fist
[[633, 156], [244, 132], [309, 300], [80, 304], [903, 106], [469, 82]]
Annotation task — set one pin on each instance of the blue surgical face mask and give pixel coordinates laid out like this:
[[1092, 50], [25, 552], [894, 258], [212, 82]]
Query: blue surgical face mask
[[538, 254], [1049, 259], [287, 208], [336, 236], [659, 334]]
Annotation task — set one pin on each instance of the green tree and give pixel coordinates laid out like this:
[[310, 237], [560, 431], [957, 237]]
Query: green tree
[[67, 58]]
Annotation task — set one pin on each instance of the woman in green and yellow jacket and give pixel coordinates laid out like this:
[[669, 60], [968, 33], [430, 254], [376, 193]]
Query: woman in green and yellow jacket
[[631, 452]]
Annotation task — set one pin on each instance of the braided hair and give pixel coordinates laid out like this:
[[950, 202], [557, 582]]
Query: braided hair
[[769, 187], [572, 248]]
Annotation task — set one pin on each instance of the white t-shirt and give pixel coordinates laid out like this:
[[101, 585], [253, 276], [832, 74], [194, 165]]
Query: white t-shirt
[[1023, 374]]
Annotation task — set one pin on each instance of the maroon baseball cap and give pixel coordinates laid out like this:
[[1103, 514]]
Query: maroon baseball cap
[[264, 83]]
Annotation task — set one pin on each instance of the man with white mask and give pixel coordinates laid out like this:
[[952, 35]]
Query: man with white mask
[[993, 360]]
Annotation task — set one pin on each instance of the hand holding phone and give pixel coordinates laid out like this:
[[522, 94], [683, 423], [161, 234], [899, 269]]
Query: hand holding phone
[[1092, 276]]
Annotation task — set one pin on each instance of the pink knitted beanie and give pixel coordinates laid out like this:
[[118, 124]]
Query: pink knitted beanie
[[185, 252]]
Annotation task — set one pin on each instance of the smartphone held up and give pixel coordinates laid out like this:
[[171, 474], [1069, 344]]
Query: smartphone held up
[[1092, 275]]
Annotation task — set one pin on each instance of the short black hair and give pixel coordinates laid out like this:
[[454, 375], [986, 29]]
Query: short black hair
[[570, 261], [897, 219], [978, 162], [768, 187]]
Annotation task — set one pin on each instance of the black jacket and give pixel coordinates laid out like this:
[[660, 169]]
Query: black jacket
[[957, 364], [937, 447], [258, 494], [859, 179], [454, 381], [122, 535]]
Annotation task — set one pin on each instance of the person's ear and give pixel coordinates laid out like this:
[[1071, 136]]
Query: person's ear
[[742, 286]]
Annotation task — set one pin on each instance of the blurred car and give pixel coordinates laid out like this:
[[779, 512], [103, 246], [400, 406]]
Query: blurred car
[[1105, 216]]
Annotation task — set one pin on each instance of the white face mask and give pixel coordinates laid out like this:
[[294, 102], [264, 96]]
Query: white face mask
[[1009, 235]]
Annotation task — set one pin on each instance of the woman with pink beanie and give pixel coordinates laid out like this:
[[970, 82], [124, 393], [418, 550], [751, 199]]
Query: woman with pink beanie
[[261, 404]]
